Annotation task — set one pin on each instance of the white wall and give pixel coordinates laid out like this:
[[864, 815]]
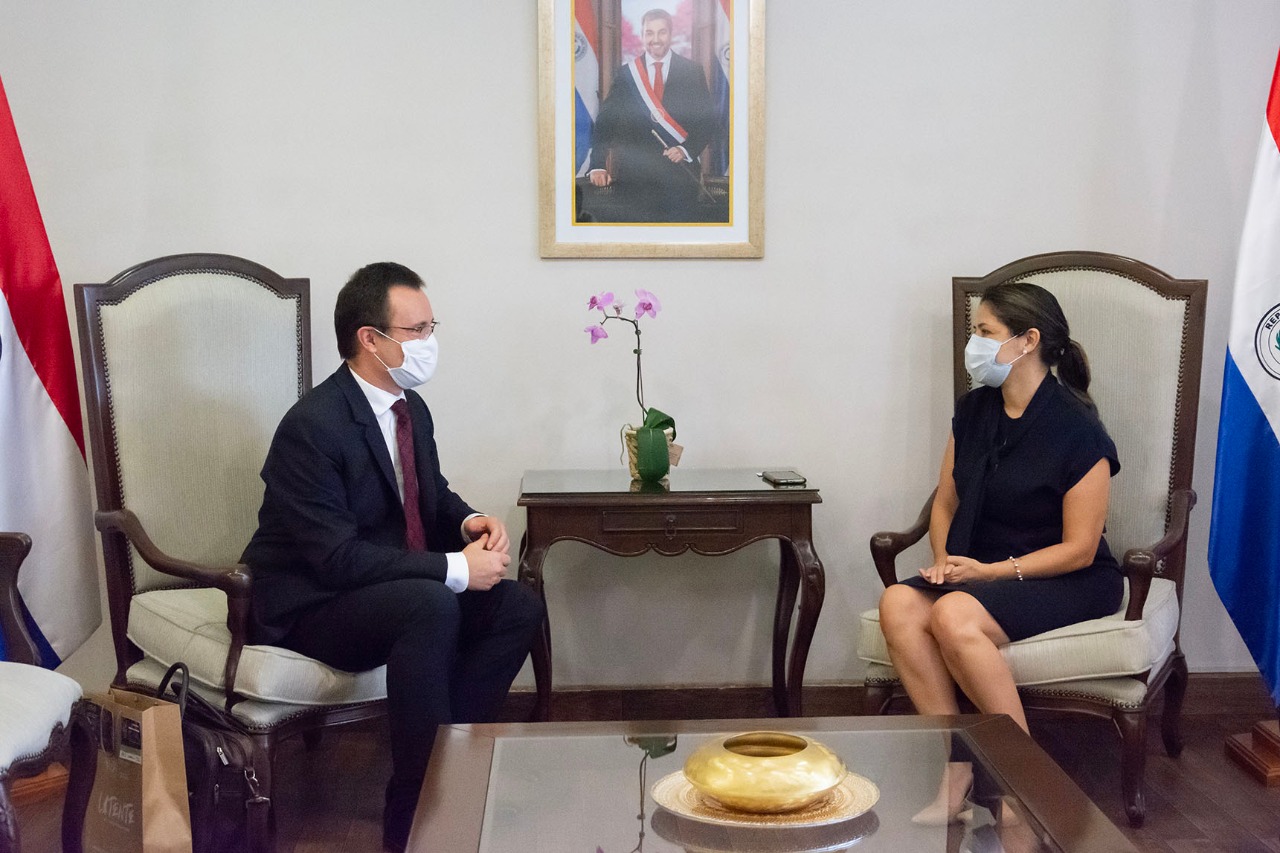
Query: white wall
[[907, 142]]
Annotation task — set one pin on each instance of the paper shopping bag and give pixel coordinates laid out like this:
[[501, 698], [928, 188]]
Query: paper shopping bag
[[139, 798]]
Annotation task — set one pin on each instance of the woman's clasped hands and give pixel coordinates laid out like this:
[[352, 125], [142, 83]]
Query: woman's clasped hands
[[958, 570]]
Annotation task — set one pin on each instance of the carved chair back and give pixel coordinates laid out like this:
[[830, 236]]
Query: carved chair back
[[190, 361]]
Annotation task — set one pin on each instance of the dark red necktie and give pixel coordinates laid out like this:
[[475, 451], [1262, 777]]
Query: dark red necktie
[[657, 82], [414, 538]]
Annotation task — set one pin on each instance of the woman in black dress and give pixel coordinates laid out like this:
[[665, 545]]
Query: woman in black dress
[[1016, 526]]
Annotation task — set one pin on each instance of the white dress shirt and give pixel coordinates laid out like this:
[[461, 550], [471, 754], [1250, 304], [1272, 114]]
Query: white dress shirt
[[458, 575], [649, 62]]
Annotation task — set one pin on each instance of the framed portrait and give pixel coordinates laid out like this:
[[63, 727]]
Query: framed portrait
[[651, 128]]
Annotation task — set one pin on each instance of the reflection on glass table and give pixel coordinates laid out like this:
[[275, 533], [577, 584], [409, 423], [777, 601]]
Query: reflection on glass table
[[589, 787]]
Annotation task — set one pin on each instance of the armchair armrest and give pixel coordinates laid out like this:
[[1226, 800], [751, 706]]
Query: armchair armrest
[[1140, 565], [886, 546], [235, 580], [14, 548]]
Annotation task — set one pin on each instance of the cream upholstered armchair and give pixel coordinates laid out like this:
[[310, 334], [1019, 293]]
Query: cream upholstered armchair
[[1143, 333], [35, 703], [190, 362]]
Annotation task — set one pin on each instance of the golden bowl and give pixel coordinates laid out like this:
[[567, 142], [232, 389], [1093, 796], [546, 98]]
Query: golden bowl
[[764, 772]]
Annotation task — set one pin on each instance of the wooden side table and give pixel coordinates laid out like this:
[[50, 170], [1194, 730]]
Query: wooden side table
[[711, 512]]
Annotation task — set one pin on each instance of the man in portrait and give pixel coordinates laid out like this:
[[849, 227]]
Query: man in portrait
[[652, 127]]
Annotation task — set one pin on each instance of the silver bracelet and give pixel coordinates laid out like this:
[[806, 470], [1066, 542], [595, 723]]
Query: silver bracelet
[[1016, 567]]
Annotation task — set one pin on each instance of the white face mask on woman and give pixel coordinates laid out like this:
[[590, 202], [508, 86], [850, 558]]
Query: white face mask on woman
[[420, 359], [980, 361]]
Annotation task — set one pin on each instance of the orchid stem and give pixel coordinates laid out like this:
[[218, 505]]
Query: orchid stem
[[639, 377], [639, 374]]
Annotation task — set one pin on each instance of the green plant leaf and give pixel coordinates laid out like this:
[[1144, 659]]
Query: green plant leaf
[[655, 746]]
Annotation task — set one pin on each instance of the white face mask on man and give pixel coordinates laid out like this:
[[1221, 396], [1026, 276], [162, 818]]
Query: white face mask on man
[[980, 361], [420, 360]]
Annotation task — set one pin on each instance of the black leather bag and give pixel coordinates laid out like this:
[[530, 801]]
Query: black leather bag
[[228, 812]]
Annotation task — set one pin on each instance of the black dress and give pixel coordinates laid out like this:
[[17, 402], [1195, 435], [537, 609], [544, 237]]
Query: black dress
[[1011, 476]]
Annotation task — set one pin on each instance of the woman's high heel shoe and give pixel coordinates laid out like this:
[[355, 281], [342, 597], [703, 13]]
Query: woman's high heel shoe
[[939, 813], [947, 807]]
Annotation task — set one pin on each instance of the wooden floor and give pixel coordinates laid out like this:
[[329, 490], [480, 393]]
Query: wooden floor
[[1198, 803]]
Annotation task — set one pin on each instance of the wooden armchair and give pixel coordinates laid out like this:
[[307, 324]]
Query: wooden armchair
[[1143, 332], [35, 703], [189, 363]]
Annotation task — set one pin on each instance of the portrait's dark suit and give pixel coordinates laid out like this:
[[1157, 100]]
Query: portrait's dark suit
[[332, 577], [656, 189]]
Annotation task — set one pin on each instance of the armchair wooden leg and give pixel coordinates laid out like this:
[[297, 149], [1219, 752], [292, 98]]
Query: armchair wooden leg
[[876, 698], [1171, 719], [8, 822], [83, 768], [1132, 726]]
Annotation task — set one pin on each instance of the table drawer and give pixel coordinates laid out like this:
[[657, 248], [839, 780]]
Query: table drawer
[[671, 522]]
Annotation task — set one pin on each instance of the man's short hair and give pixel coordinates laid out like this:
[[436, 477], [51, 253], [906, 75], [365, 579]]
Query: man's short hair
[[656, 13], [363, 301]]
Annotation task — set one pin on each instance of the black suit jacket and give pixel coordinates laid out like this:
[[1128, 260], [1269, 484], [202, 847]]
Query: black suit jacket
[[331, 517], [624, 123]]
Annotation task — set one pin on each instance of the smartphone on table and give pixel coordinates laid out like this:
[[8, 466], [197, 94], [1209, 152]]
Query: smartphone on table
[[783, 478]]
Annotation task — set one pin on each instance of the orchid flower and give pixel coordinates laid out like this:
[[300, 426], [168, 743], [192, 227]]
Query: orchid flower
[[600, 301], [646, 303], [611, 308]]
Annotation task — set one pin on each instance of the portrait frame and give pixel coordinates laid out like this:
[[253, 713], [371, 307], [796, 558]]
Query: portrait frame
[[727, 220]]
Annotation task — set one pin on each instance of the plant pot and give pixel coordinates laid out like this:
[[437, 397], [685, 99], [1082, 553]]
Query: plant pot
[[650, 473]]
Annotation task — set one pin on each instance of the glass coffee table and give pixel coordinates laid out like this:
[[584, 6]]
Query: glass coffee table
[[558, 787]]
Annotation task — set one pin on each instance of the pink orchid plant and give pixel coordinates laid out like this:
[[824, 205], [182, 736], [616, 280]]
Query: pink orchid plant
[[611, 309]]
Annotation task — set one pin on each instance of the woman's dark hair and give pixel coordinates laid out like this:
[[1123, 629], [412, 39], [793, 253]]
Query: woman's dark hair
[[1022, 306], [363, 301]]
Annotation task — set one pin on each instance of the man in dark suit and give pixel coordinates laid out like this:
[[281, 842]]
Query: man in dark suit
[[655, 121], [364, 556]]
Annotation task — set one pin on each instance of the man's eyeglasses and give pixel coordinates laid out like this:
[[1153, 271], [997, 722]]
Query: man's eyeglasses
[[420, 331]]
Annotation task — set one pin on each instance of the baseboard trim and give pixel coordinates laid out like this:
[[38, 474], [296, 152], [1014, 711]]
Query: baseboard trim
[[51, 783], [1207, 693], [1228, 693]]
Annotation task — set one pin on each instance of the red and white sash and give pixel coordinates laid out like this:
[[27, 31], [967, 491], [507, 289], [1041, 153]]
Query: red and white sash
[[659, 115]]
